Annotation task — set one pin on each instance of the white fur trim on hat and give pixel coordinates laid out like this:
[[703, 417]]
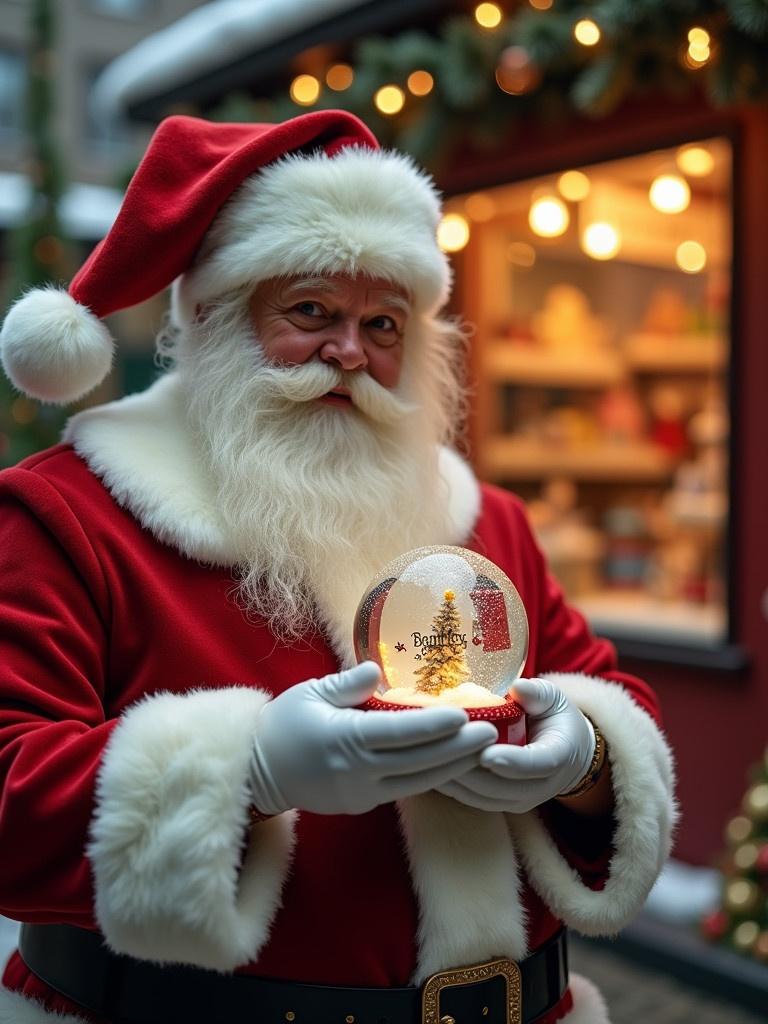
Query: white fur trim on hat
[[361, 211], [53, 348], [178, 876]]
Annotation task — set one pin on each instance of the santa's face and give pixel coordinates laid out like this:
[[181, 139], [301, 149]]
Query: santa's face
[[352, 323], [316, 493]]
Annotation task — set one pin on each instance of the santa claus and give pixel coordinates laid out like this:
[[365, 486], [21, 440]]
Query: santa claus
[[197, 821]]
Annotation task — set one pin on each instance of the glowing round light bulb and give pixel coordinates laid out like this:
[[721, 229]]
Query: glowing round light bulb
[[452, 232], [305, 90], [389, 99], [669, 193], [586, 32], [691, 257], [695, 161], [601, 240], [420, 83], [697, 55], [548, 217], [573, 185], [488, 15], [541, 5], [339, 77], [699, 36]]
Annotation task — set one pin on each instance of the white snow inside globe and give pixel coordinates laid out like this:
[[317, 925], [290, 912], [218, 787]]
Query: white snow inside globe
[[446, 626]]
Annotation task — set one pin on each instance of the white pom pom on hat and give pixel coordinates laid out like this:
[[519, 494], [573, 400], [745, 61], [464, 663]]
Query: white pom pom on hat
[[54, 349], [375, 213]]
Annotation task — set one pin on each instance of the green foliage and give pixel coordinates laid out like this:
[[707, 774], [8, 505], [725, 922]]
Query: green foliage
[[38, 253], [640, 51]]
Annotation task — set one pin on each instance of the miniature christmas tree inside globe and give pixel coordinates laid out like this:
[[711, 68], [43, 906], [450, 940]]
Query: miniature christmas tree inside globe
[[447, 626]]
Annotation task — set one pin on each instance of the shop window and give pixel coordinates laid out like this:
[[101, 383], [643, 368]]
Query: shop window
[[12, 88], [601, 300]]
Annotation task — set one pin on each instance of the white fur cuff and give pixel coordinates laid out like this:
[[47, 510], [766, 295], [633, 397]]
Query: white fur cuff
[[645, 812], [168, 832]]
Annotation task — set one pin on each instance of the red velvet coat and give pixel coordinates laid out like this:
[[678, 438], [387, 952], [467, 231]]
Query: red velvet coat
[[96, 614]]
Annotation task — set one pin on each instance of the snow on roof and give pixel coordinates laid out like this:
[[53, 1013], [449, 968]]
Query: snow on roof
[[207, 38]]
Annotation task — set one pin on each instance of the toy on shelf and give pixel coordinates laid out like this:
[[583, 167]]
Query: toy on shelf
[[620, 415], [668, 428], [573, 548], [566, 324]]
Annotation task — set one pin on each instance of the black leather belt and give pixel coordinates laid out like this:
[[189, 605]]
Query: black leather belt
[[77, 964]]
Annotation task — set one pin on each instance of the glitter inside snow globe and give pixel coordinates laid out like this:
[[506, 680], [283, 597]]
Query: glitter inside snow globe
[[446, 626]]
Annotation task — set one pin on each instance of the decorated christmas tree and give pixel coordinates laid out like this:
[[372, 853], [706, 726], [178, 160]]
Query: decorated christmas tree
[[742, 920], [445, 662]]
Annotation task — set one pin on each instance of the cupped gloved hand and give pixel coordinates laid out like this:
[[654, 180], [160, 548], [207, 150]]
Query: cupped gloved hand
[[315, 750], [559, 751]]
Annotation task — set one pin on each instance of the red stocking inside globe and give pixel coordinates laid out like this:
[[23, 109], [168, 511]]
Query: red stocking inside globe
[[447, 626]]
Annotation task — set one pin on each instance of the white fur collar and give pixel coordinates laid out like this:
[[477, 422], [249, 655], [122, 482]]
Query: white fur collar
[[141, 449]]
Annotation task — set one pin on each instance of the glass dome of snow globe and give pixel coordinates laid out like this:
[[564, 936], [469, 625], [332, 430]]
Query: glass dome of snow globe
[[446, 626]]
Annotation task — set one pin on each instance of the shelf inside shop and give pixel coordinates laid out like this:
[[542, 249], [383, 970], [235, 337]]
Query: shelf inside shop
[[661, 353], [527, 363], [513, 458], [636, 614]]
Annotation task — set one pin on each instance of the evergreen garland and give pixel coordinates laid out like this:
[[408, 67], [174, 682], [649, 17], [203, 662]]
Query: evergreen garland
[[642, 49], [37, 251]]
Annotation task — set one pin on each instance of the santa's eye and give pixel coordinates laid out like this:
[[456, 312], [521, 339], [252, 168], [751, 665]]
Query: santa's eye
[[383, 323], [308, 308]]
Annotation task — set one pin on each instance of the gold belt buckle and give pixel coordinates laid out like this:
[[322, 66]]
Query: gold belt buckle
[[433, 986]]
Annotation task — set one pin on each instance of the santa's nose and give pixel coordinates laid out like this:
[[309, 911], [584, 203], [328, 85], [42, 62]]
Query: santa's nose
[[344, 347]]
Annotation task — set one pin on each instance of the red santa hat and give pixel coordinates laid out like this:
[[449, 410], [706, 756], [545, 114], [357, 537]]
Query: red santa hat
[[215, 206]]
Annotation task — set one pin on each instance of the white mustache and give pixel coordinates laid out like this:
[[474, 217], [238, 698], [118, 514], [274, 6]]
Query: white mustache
[[310, 381]]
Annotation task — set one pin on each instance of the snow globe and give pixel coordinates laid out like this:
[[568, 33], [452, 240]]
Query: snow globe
[[446, 626]]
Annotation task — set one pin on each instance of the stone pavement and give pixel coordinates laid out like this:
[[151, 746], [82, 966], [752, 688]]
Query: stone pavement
[[639, 995]]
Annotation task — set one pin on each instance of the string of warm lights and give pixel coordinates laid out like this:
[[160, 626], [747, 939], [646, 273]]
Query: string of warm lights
[[550, 216], [503, 62]]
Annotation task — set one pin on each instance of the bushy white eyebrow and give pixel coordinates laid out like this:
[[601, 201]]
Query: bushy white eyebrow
[[323, 284], [397, 302]]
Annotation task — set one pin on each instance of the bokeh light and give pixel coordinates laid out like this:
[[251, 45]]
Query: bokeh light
[[586, 32], [669, 193], [573, 185], [452, 232], [601, 240], [548, 217], [691, 257], [420, 83], [389, 99], [488, 15], [339, 77], [305, 90]]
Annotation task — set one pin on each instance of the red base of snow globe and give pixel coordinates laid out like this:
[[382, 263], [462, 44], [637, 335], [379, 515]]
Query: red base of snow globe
[[509, 717]]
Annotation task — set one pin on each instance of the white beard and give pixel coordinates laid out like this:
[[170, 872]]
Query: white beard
[[316, 498]]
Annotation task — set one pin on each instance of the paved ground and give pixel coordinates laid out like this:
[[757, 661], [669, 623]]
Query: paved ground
[[636, 995]]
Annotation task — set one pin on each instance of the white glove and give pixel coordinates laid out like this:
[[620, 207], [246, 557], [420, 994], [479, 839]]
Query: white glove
[[314, 750], [559, 751]]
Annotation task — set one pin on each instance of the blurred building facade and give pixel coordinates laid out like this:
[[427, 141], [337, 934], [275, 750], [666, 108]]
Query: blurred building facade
[[97, 153]]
